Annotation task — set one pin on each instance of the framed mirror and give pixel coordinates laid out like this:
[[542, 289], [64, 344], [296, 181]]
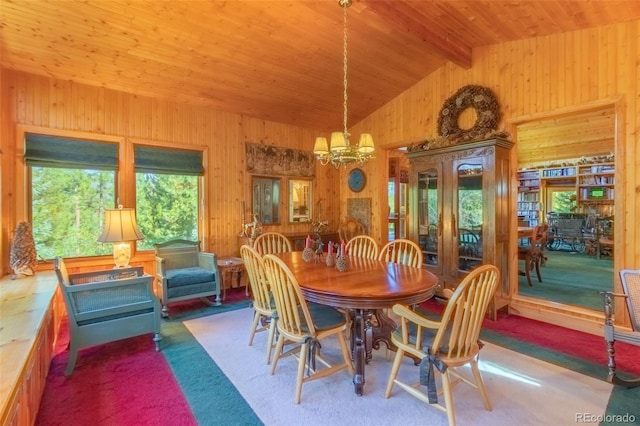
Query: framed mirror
[[266, 199], [300, 201]]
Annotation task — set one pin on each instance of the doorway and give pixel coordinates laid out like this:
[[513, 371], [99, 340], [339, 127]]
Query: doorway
[[565, 148], [397, 195]]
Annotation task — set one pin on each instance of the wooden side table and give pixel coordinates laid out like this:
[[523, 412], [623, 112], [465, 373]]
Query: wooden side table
[[232, 274]]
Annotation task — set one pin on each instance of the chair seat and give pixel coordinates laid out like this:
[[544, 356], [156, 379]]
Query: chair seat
[[116, 316], [325, 317], [189, 276]]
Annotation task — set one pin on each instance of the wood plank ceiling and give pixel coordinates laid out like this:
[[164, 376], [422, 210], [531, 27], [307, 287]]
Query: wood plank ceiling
[[277, 60]]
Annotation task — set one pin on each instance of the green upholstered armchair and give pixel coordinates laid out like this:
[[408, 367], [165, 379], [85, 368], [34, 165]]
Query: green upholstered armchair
[[184, 272], [105, 306]]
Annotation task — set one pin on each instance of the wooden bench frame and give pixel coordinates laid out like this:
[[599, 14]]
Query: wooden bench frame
[[611, 334]]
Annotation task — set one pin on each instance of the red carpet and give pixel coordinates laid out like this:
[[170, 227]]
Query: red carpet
[[129, 383], [570, 342], [124, 383]]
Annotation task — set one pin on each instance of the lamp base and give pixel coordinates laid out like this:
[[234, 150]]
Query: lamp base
[[121, 254]]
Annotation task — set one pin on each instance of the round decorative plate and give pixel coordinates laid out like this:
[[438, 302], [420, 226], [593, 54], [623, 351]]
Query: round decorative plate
[[357, 180]]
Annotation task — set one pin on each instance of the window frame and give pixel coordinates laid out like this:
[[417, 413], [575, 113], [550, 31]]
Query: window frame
[[203, 205], [125, 177]]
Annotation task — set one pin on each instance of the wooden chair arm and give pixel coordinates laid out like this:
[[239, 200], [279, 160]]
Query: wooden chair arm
[[406, 312], [611, 293], [161, 267]]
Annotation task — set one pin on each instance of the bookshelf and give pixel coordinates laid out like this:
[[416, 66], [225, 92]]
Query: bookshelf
[[560, 173], [596, 183], [529, 196]]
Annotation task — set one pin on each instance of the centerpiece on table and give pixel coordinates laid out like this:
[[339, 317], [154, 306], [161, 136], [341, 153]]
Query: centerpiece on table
[[342, 261], [308, 253]]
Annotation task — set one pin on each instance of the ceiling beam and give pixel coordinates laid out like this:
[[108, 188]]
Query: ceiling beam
[[401, 17]]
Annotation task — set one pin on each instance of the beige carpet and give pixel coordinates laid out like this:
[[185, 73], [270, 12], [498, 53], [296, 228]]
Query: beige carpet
[[523, 390]]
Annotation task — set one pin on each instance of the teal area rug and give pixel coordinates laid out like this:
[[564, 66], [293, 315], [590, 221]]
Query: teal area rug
[[212, 397], [571, 278]]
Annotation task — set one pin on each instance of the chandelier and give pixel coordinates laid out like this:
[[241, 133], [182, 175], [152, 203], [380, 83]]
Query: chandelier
[[341, 151]]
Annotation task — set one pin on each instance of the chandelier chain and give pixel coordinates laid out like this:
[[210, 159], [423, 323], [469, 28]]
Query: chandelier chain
[[341, 152], [344, 68]]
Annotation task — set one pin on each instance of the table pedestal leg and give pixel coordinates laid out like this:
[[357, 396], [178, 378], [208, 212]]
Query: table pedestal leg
[[369, 328], [381, 328], [358, 348]]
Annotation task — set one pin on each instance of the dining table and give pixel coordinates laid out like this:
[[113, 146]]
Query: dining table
[[525, 231], [364, 290]]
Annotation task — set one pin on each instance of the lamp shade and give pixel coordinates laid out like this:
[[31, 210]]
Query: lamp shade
[[338, 141], [120, 225], [366, 144], [321, 147]]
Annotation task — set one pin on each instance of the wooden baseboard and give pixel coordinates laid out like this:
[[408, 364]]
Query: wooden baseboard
[[572, 317]]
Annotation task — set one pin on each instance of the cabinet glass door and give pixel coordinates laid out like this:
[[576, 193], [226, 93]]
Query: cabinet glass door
[[429, 216], [468, 217]]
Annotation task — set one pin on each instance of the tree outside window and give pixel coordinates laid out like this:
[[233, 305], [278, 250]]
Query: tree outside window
[[67, 210], [73, 182], [167, 208]]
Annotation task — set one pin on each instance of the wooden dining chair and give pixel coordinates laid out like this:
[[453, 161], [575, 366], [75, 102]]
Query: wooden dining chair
[[350, 228], [264, 318], [447, 344], [530, 254], [304, 325], [402, 251], [363, 246], [542, 241], [272, 242]]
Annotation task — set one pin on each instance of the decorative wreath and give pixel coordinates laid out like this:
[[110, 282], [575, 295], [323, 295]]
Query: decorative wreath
[[483, 100]]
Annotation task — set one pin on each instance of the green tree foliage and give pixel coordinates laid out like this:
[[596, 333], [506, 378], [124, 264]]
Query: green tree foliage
[[167, 208], [563, 201], [67, 210], [470, 209], [68, 205]]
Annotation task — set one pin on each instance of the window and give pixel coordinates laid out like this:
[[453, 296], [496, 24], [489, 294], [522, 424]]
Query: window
[[562, 200], [167, 183], [72, 183]]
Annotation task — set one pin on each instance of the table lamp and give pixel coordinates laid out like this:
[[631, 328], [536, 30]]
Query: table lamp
[[120, 227]]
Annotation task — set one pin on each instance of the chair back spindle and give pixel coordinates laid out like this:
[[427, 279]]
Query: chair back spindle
[[363, 246], [402, 251], [272, 242]]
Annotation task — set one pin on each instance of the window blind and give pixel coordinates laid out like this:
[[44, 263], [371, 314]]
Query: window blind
[[60, 152], [151, 159]]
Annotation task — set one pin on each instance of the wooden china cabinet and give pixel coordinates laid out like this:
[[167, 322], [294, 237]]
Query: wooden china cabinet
[[459, 209]]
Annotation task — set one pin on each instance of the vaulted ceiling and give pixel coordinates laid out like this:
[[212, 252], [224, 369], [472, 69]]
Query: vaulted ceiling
[[277, 60]]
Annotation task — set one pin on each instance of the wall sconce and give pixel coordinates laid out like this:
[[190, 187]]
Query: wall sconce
[[120, 228]]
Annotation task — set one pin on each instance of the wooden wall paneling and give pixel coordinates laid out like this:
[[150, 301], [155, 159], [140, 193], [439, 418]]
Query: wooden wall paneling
[[573, 135], [584, 67], [53, 104], [628, 40], [573, 79]]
